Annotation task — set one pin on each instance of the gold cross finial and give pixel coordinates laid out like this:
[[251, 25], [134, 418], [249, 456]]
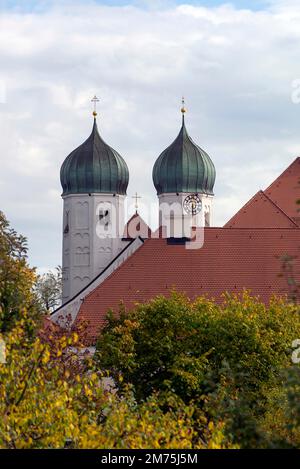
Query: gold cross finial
[[136, 197], [95, 100], [183, 109]]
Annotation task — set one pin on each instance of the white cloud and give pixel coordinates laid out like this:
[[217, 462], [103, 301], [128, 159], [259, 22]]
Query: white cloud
[[234, 67]]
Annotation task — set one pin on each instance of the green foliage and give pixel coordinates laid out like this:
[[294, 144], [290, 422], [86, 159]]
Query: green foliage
[[187, 374], [44, 405], [226, 358], [281, 422], [293, 396], [210, 377], [179, 345], [16, 278]]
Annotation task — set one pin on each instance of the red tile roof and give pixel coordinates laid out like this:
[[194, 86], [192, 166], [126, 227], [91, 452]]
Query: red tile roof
[[231, 259], [135, 227], [285, 190], [261, 212]]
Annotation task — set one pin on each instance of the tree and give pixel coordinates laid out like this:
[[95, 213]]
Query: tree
[[226, 358], [173, 343], [282, 419], [48, 289], [16, 277], [43, 405]]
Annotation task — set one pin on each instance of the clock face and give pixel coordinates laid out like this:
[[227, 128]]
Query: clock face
[[192, 204]]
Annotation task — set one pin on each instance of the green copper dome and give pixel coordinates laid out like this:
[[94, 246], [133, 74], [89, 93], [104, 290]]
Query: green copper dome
[[184, 167], [94, 167]]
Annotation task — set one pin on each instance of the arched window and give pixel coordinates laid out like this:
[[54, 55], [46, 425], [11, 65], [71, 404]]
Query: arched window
[[82, 256], [207, 219], [104, 218]]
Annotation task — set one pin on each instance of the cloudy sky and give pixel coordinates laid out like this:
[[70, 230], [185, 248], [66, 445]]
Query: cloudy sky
[[235, 63]]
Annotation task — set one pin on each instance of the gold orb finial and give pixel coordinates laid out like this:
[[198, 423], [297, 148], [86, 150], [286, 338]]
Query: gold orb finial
[[183, 108], [95, 100]]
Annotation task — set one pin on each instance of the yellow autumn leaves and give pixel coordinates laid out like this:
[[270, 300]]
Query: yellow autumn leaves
[[44, 405]]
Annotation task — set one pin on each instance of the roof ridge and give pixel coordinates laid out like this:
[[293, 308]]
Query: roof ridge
[[95, 278], [243, 207], [154, 271], [141, 221], [283, 173], [277, 206], [249, 202], [116, 269], [136, 214]]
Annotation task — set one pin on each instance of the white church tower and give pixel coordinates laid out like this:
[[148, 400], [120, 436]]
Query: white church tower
[[184, 177], [94, 178]]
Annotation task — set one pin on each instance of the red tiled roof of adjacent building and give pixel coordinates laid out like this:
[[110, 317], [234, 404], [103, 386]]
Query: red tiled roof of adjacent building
[[135, 227], [261, 212], [285, 190], [231, 259]]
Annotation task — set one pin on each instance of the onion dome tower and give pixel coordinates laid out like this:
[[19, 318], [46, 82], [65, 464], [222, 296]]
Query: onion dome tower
[[94, 179], [94, 167], [184, 177]]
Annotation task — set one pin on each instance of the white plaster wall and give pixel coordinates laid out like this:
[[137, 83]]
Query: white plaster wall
[[67, 313], [88, 246], [183, 221]]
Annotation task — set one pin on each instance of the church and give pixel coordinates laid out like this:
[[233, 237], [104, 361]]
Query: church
[[108, 260]]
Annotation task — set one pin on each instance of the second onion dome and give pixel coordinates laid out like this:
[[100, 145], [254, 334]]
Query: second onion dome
[[184, 167]]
